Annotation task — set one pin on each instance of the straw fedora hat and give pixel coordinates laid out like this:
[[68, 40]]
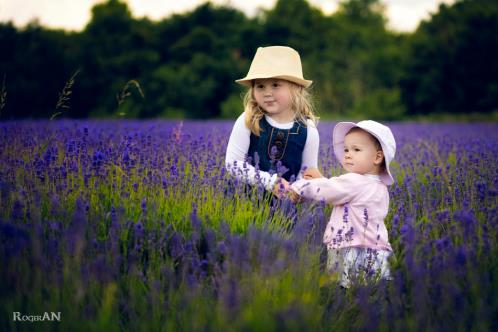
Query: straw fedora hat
[[379, 131], [276, 62]]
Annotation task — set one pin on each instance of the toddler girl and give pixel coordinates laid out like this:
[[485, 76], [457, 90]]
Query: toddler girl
[[356, 236]]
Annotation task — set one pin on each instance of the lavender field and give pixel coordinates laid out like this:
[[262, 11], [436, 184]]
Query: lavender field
[[136, 226]]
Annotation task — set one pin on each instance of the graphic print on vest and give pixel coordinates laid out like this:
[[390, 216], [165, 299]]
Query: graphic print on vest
[[278, 150]]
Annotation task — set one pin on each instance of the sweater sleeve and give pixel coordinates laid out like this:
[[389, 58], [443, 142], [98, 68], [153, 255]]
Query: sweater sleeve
[[335, 190], [235, 159], [310, 152]]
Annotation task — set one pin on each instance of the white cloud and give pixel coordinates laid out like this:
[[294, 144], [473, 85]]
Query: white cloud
[[405, 15], [158, 9], [69, 14]]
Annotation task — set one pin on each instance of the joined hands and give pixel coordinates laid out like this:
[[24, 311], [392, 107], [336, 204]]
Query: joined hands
[[283, 189]]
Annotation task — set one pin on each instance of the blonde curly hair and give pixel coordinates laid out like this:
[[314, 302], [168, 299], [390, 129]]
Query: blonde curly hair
[[302, 106]]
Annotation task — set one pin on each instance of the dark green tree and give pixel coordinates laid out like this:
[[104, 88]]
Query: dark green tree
[[200, 54], [185, 65], [452, 63], [295, 23], [36, 60], [115, 49], [358, 70]]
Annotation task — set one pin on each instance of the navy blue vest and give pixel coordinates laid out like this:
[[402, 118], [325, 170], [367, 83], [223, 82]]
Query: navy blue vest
[[278, 150]]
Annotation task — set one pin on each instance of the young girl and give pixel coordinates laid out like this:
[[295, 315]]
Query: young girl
[[356, 236], [276, 135]]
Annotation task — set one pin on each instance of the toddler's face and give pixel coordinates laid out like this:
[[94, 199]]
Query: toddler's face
[[273, 96], [360, 154]]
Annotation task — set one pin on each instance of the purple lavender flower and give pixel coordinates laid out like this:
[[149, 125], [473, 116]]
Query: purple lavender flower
[[348, 236], [176, 246], [13, 238], [346, 213], [143, 206], [442, 228]]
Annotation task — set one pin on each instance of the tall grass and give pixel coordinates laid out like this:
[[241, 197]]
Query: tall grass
[[64, 96], [3, 94]]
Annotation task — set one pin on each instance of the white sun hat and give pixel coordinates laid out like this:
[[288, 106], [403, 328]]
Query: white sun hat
[[379, 131], [276, 62]]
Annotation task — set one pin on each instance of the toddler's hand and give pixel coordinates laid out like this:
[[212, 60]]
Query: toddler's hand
[[280, 187], [294, 196], [312, 173]]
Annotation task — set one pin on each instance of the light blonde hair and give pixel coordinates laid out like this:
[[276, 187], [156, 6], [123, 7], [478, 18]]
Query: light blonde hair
[[302, 106]]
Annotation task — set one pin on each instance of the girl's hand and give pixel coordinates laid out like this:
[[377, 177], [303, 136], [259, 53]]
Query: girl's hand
[[281, 187], [312, 173], [294, 196]]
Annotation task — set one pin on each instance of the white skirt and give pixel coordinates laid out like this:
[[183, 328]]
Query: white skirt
[[357, 264]]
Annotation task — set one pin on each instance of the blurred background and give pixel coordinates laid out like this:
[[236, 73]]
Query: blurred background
[[184, 65]]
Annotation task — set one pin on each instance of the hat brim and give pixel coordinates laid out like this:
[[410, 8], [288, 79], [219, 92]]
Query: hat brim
[[338, 135], [247, 81]]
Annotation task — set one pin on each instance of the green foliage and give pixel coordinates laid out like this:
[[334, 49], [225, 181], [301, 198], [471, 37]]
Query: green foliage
[[456, 51], [380, 104], [186, 63], [359, 59], [36, 65], [231, 107], [294, 22]]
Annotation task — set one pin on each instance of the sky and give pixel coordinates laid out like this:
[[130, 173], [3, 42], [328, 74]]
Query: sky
[[403, 15]]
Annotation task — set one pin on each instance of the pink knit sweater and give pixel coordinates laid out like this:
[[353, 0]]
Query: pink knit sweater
[[360, 205]]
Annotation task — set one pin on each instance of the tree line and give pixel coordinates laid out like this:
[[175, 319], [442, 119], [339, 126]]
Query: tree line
[[184, 65]]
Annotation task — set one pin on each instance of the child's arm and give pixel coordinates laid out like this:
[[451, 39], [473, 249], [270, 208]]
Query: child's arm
[[282, 189], [311, 147], [294, 196], [336, 190], [312, 173], [238, 146]]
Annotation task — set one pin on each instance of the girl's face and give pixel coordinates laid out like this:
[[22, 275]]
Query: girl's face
[[360, 154], [274, 97]]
